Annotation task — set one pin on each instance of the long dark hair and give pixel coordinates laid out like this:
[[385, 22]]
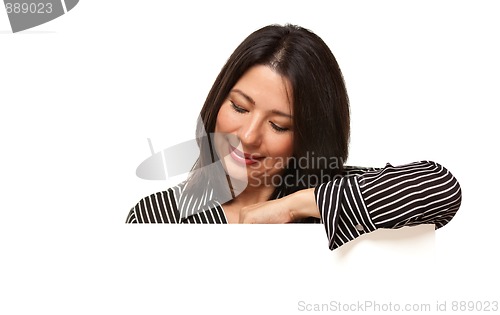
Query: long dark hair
[[320, 106]]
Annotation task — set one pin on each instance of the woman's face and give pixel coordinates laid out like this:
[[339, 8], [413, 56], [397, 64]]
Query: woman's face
[[253, 132]]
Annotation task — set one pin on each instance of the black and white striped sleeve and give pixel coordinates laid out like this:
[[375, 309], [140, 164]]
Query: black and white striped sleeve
[[391, 197]]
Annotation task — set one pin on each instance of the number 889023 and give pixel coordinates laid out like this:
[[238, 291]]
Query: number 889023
[[31, 8]]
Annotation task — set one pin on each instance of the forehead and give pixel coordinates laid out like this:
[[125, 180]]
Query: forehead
[[266, 87]]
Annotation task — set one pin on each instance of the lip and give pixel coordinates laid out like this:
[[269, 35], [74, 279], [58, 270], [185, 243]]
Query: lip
[[243, 158]]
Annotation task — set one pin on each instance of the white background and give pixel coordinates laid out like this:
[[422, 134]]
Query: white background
[[80, 95]]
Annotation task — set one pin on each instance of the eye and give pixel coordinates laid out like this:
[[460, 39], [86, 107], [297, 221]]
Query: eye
[[278, 128], [238, 108]]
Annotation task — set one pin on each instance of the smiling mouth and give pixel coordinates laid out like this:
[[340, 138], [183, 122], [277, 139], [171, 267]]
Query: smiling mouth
[[243, 158]]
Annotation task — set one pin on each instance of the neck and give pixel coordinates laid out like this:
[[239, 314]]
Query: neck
[[252, 195], [249, 195]]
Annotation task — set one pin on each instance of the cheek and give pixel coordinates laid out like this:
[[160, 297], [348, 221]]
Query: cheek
[[224, 122], [282, 147]]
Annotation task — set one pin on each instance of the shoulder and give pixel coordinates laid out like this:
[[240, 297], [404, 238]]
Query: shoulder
[[357, 170], [389, 168], [160, 207]]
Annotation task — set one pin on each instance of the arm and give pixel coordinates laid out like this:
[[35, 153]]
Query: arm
[[292, 208], [355, 204], [392, 197]]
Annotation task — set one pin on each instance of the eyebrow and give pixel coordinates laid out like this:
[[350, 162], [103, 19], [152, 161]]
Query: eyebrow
[[251, 100], [248, 98]]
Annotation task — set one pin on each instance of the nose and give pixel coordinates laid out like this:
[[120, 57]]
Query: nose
[[250, 133]]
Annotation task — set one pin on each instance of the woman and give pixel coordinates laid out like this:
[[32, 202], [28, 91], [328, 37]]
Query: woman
[[273, 136]]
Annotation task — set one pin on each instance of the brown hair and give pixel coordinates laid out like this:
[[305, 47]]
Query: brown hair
[[320, 103]]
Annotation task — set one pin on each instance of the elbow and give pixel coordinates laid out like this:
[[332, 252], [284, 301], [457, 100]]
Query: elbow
[[448, 195]]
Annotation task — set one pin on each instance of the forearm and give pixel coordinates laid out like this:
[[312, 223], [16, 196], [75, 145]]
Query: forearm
[[302, 204]]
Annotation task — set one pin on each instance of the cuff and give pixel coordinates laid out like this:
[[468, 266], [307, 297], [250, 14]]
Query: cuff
[[343, 211]]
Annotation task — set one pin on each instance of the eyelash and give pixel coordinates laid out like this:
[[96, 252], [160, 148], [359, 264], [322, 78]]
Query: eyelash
[[278, 128], [237, 108], [241, 110]]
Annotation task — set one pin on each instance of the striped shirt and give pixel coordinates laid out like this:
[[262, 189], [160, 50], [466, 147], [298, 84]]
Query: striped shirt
[[359, 202]]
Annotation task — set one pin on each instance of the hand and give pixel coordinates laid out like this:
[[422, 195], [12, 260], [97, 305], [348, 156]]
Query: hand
[[301, 204]]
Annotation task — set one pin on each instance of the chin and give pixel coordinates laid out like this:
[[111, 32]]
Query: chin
[[235, 171]]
